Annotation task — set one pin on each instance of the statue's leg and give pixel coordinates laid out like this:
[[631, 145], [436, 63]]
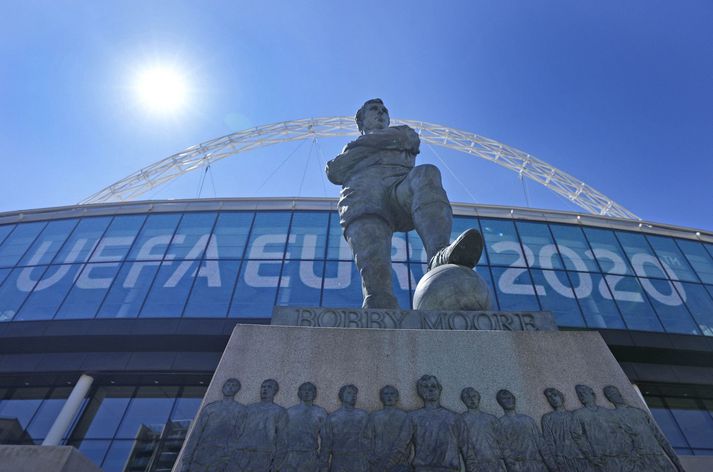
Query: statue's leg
[[422, 193], [433, 219], [370, 240]]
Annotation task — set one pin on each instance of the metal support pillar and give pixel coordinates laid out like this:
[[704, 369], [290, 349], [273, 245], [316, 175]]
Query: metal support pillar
[[69, 411]]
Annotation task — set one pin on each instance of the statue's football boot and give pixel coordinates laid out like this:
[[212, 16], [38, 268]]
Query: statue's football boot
[[464, 251]]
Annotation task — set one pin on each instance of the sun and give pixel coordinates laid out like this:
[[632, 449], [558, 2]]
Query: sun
[[161, 89]]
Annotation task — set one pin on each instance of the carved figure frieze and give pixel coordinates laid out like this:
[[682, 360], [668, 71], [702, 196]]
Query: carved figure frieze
[[211, 445], [305, 426], [344, 441], [261, 444], [482, 431], [383, 430], [264, 436]]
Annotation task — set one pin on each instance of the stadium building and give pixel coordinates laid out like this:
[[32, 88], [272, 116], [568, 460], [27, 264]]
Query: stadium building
[[129, 305]]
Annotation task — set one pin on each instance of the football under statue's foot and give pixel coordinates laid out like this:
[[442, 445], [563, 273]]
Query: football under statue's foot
[[464, 251]]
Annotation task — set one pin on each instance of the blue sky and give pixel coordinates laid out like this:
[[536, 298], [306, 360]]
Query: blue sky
[[616, 93]]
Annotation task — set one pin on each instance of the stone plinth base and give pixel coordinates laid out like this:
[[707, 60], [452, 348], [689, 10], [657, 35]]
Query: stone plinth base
[[45, 459], [524, 362]]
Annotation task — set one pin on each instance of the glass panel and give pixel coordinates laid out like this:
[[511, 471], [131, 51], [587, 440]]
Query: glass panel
[[49, 242], [416, 273], [400, 284], [117, 456], [192, 235], [700, 304], [3, 275], [666, 422], [556, 295], [607, 251], [89, 291], [635, 308], [116, 242], [669, 306], [514, 289], [502, 244], [17, 243], [16, 288], [212, 289], [170, 289], [256, 289], [268, 236], [154, 238], [308, 236], [672, 259], [93, 449], [129, 290], [149, 408], [188, 403], [596, 301], [84, 239], [103, 413], [49, 292], [230, 235], [5, 230], [485, 273], [47, 413], [342, 285], [642, 259], [338, 248], [22, 406], [699, 258], [536, 238], [301, 283], [574, 248], [696, 423]]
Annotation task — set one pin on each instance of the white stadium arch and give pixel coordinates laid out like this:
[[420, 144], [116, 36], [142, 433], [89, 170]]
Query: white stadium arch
[[201, 155]]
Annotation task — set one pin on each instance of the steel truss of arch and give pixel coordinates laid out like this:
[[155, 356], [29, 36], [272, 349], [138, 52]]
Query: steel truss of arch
[[206, 153]]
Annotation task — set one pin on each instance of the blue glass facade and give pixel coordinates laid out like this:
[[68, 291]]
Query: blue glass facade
[[203, 260], [241, 263]]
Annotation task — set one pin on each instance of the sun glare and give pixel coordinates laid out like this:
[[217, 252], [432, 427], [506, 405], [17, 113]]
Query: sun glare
[[161, 89]]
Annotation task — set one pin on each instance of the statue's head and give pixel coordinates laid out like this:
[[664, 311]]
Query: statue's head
[[554, 397], [614, 395], [307, 392], [389, 395], [470, 398], [231, 387], [505, 399], [269, 389], [348, 394], [372, 115], [585, 394], [429, 388]]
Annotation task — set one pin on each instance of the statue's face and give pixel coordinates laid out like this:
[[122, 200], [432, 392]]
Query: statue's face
[[349, 397], [376, 117], [268, 390], [585, 394], [471, 398], [506, 400], [613, 395], [231, 387], [389, 396], [554, 397], [307, 392], [429, 391]]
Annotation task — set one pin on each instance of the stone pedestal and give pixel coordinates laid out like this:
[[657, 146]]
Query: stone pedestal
[[44, 459], [525, 363]]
